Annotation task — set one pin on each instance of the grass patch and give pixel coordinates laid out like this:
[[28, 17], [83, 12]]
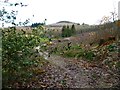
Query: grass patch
[[74, 53], [89, 55], [44, 39], [111, 48]]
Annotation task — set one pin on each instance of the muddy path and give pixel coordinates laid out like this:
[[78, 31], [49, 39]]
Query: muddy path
[[79, 75]]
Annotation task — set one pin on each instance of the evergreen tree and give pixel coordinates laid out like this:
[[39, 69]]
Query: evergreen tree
[[68, 31], [73, 30], [63, 31]]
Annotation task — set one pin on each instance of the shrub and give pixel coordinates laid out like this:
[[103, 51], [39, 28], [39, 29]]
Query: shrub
[[77, 47], [74, 53], [16, 55], [89, 55], [112, 48]]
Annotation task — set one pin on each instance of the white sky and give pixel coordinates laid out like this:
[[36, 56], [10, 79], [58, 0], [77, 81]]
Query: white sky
[[79, 11]]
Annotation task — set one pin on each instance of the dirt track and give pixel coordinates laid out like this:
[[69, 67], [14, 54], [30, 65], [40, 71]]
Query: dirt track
[[77, 75]]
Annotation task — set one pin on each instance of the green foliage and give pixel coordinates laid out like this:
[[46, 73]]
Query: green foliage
[[73, 30], [111, 48], [64, 32], [118, 65], [76, 47], [70, 53], [77, 52], [17, 54], [67, 32], [89, 55]]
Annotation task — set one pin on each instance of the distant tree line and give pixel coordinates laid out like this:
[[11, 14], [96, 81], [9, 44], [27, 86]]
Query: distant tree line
[[67, 31], [36, 24]]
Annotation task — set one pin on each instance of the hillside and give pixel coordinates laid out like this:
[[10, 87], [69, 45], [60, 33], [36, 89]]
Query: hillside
[[60, 24]]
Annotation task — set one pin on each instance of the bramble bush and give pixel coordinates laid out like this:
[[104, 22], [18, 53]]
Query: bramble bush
[[17, 55]]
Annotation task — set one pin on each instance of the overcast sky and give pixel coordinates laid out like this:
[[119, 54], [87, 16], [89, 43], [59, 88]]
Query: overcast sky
[[79, 11]]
